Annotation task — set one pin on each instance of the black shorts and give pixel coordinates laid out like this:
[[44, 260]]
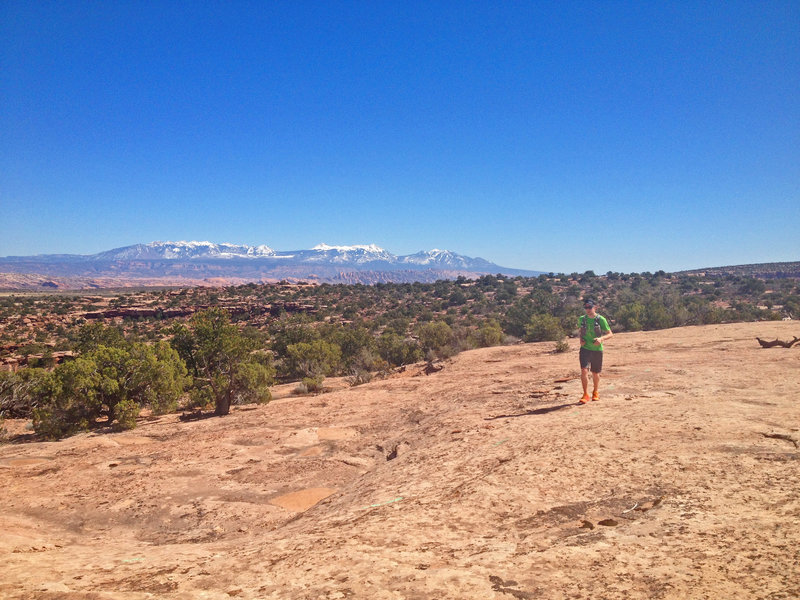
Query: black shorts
[[593, 358]]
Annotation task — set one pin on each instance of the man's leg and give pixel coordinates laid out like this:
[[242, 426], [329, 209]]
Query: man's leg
[[597, 366], [585, 380], [585, 361], [585, 383]]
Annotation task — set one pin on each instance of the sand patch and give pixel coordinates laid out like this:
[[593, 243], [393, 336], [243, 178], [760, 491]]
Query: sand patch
[[336, 433], [132, 440], [303, 499], [313, 451], [301, 438], [23, 462]]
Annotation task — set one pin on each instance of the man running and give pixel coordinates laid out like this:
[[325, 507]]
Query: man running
[[594, 330]]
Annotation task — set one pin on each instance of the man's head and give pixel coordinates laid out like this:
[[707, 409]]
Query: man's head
[[589, 306]]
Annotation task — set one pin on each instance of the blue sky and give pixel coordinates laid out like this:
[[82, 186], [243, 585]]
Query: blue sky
[[556, 136]]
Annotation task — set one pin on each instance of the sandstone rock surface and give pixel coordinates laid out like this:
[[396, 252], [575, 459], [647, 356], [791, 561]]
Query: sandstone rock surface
[[484, 480]]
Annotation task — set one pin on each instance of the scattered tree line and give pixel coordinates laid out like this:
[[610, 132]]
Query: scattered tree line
[[210, 361], [233, 349]]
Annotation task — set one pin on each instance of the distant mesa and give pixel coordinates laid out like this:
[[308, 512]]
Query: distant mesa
[[201, 263]]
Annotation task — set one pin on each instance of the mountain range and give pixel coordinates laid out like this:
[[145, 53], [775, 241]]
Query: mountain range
[[207, 263]]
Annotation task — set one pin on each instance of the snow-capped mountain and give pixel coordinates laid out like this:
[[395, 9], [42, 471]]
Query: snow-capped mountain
[[170, 263], [184, 250], [445, 259], [358, 254]]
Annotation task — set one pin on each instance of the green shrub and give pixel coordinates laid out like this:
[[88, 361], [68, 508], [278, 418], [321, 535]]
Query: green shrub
[[352, 342], [252, 383], [166, 379], [312, 359], [77, 394], [125, 413], [363, 365], [435, 337], [543, 327], [397, 350], [93, 335], [561, 346], [67, 400], [657, 316], [313, 384], [631, 316], [228, 369], [490, 334]]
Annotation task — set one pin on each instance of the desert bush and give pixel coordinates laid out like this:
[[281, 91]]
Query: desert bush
[[352, 341], [361, 369], [312, 359], [631, 316], [435, 337], [518, 315], [166, 377], [66, 402], [490, 334], [110, 382], [290, 330], [358, 376], [228, 368], [457, 298], [313, 384], [252, 383], [543, 327], [125, 414], [561, 346], [93, 335], [656, 316], [398, 325], [398, 350], [462, 340], [18, 395], [752, 286]]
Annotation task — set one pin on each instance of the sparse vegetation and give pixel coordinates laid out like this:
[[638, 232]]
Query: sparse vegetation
[[234, 342], [114, 382], [561, 346], [226, 364]]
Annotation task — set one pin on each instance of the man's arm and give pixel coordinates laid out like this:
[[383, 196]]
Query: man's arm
[[605, 336], [607, 333]]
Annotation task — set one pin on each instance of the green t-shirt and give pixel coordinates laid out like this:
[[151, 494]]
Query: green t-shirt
[[588, 339]]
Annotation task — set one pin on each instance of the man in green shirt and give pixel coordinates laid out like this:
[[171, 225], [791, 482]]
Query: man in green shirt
[[594, 330]]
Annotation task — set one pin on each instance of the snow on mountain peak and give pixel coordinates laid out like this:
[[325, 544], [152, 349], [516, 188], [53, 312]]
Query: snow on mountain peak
[[371, 248], [358, 253], [186, 250], [440, 258]]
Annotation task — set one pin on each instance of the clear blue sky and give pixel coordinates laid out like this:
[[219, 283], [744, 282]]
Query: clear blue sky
[[563, 136]]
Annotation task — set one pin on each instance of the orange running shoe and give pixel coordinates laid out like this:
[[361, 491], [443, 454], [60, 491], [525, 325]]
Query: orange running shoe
[[585, 398], [595, 396]]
